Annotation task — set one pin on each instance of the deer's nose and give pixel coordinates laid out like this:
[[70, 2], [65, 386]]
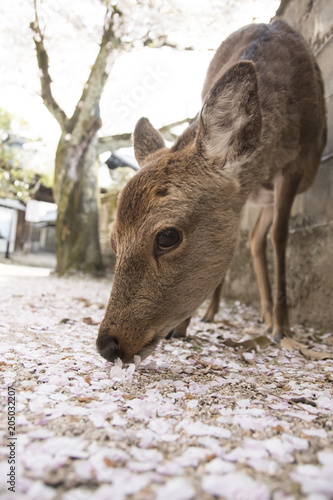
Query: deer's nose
[[109, 348]]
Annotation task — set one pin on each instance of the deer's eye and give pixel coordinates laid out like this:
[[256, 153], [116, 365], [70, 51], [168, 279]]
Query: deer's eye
[[168, 239]]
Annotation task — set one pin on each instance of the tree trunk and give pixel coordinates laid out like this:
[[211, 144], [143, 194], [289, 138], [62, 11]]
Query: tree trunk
[[75, 193], [75, 185]]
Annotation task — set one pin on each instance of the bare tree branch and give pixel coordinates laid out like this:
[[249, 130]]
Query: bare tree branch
[[45, 78], [166, 130], [114, 142], [89, 101]]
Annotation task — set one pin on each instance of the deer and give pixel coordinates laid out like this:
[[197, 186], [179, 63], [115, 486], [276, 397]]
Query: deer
[[259, 136]]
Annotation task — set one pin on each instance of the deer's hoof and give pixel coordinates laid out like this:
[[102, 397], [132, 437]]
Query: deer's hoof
[[175, 334], [208, 318], [170, 335]]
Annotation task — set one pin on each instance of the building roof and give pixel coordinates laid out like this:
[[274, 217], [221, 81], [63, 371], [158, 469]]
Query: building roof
[[122, 159], [15, 204]]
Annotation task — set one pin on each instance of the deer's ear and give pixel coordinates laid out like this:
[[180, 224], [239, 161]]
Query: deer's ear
[[230, 119], [146, 140]]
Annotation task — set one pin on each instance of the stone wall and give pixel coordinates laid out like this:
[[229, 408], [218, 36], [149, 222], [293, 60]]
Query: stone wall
[[107, 212], [310, 247]]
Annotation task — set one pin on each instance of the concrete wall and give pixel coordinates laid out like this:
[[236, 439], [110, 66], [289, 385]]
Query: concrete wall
[[310, 248]]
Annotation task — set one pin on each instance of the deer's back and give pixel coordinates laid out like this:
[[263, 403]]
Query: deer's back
[[291, 95]]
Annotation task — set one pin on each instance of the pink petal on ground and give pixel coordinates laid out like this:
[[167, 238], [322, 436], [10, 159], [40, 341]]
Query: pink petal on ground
[[39, 490], [242, 454], [282, 448], [58, 397], [320, 433], [151, 455], [176, 395], [141, 466], [159, 425], [192, 457], [22, 420], [126, 483], [147, 438], [250, 423], [244, 403], [295, 442], [77, 494], [116, 373], [84, 470], [36, 459], [118, 420], [65, 447], [137, 361], [303, 415], [200, 429], [235, 485], [77, 410], [279, 406], [219, 466], [40, 434], [263, 465], [325, 402], [314, 479], [100, 459], [195, 388], [176, 489], [98, 421], [325, 457], [193, 403], [170, 469], [45, 389]]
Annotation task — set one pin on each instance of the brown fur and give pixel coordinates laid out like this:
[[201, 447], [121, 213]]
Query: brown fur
[[260, 133]]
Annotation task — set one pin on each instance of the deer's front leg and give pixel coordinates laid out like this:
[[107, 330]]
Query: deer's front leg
[[214, 304], [180, 330]]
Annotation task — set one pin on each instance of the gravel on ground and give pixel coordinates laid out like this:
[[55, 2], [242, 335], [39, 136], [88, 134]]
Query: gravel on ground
[[206, 417]]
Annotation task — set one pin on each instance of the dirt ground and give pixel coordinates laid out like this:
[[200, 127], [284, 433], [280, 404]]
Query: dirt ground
[[203, 418]]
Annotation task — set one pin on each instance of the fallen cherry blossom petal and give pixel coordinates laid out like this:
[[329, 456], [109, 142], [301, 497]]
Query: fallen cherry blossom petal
[[320, 433], [201, 429], [177, 489], [219, 466], [235, 485]]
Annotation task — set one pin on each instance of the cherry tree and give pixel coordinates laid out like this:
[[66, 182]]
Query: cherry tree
[[75, 180]]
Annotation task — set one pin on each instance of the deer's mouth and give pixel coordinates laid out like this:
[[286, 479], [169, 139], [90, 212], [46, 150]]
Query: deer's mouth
[[150, 346]]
